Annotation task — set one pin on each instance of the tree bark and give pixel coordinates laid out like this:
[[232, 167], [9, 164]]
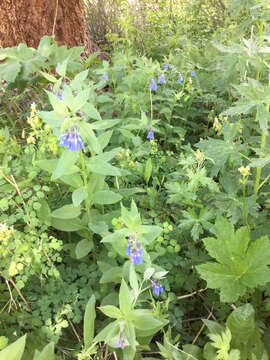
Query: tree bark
[[27, 21]]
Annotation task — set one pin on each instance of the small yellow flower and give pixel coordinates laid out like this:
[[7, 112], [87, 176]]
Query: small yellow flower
[[31, 140]]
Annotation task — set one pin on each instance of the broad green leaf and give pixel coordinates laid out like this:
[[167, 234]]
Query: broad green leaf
[[47, 165], [66, 212], [65, 165], [78, 196], [44, 212], [61, 68], [111, 311], [64, 225], [148, 170], [213, 326], [125, 299], [91, 140], [106, 197], [241, 265], [80, 100], [131, 218], [14, 351], [102, 167], [48, 76], [148, 273], [241, 323], [9, 70], [47, 353], [83, 248], [89, 322], [114, 274], [129, 332], [108, 332], [104, 124], [105, 138], [92, 112], [57, 104]]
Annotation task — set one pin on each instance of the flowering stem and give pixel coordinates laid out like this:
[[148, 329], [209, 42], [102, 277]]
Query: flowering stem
[[151, 105], [84, 174], [244, 203]]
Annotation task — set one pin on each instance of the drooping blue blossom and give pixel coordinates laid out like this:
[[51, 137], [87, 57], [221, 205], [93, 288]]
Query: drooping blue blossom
[[134, 251], [165, 25], [166, 67], [72, 140], [161, 79], [153, 85], [180, 79], [150, 134], [121, 343], [105, 77], [192, 73], [157, 287]]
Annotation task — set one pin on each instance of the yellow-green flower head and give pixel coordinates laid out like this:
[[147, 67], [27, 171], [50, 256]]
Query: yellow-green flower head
[[244, 171]]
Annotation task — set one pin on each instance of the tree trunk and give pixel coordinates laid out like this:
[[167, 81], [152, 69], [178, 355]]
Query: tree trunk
[[28, 21]]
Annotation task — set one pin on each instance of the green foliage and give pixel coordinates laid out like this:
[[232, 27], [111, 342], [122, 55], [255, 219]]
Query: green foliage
[[241, 265]]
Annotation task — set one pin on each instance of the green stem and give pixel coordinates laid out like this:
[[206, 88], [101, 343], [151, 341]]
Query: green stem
[[151, 105], [244, 203], [84, 174]]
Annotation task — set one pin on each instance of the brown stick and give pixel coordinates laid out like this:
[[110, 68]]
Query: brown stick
[[191, 294]]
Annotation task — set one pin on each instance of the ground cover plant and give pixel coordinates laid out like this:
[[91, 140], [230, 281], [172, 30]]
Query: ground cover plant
[[134, 209]]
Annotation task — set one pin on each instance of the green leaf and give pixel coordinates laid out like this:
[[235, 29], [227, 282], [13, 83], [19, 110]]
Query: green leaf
[[89, 322], [104, 124], [64, 225], [83, 248], [65, 165], [133, 279], [48, 76], [114, 274], [47, 353], [106, 197], [80, 100], [125, 299], [9, 70], [105, 138], [66, 212], [44, 212], [92, 112], [78, 196], [91, 140], [263, 117], [102, 167], [148, 170], [241, 323], [57, 104], [47, 165], [107, 333], [14, 351], [61, 68], [111, 311], [241, 265]]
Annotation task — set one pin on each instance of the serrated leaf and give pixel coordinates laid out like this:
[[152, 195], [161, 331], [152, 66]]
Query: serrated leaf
[[241, 265]]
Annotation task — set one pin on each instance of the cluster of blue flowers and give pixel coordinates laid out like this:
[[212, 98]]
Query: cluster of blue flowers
[[105, 77], [72, 140], [161, 78], [134, 250], [150, 134], [157, 287]]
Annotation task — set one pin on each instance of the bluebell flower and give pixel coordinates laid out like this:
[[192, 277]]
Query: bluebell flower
[[105, 77], [153, 85], [180, 79], [134, 251], [161, 79], [165, 25], [60, 96], [150, 134], [192, 73], [121, 342], [72, 140], [157, 287], [166, 67]]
